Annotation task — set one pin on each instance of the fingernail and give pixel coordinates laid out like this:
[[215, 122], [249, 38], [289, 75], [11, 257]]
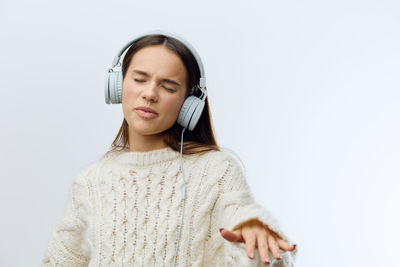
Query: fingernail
[[220, 229], [266, 261], [252, 255], [279, 257], [294, 246]]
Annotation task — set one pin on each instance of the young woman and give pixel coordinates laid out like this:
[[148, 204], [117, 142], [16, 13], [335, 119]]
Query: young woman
[[146, 204]]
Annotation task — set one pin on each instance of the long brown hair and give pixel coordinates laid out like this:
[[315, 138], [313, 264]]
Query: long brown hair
[[201, 139]]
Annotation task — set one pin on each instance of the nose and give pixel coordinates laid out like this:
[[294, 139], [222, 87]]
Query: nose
[[150, 92]]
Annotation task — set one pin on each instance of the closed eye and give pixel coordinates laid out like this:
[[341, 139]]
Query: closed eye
[[170, 90]]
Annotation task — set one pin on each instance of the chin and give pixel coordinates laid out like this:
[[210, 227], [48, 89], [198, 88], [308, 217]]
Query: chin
[[148, 127], [148, 131]]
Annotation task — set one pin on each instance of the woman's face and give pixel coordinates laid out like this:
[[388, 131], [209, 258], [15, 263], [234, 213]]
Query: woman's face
[[156, 79]]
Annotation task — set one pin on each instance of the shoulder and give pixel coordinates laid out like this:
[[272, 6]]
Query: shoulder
[[225, 159], [219, 166], [229, 174], [87, 173], [222, 154]]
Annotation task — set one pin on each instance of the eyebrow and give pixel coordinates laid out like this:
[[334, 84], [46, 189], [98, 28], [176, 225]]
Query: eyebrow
[[164, 80]]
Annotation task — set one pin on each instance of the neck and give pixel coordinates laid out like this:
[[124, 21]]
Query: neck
[[143, 143]]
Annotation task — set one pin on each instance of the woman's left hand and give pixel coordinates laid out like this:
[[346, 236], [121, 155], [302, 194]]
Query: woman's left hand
[[255, 234]]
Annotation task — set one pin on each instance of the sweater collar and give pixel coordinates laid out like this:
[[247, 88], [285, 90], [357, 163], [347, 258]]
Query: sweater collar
[[146, 158]]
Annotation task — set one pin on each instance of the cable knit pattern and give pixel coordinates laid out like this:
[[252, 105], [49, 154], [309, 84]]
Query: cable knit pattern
[[125, 210]]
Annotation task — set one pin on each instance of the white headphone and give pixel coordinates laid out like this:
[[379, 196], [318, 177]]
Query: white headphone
[[191, 109]]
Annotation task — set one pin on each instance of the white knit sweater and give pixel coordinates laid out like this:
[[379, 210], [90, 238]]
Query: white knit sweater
[[125, 210]]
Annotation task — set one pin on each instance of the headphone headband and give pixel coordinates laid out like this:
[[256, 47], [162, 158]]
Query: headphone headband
[[202, 81]]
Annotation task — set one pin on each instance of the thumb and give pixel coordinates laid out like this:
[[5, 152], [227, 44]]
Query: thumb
[[235, 236]]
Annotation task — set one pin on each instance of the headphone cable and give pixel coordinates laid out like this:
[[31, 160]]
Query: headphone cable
[[183, 199]]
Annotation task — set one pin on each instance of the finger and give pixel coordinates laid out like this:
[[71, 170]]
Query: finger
[[263, 247], [284, 245], [250, 240], [273, 246], [235, 236]]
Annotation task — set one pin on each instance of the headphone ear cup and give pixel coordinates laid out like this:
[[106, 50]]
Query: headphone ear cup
[[190, 112], [182, 113], [196, 113], [114, 88]]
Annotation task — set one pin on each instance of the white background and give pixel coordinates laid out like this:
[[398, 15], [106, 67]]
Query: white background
[[305, 92]]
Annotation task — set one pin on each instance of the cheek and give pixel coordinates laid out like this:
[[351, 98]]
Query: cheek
[[173, 105], [129, 95], [128, 92]]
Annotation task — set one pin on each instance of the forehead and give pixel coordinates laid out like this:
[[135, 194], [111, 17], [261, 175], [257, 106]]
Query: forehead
[[160, 60]]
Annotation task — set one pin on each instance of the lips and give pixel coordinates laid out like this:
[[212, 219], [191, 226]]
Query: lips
[[146, 113], [146, 109]]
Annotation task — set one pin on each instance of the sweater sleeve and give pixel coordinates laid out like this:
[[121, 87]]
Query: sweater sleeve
[[67, 246], [234, 206]]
